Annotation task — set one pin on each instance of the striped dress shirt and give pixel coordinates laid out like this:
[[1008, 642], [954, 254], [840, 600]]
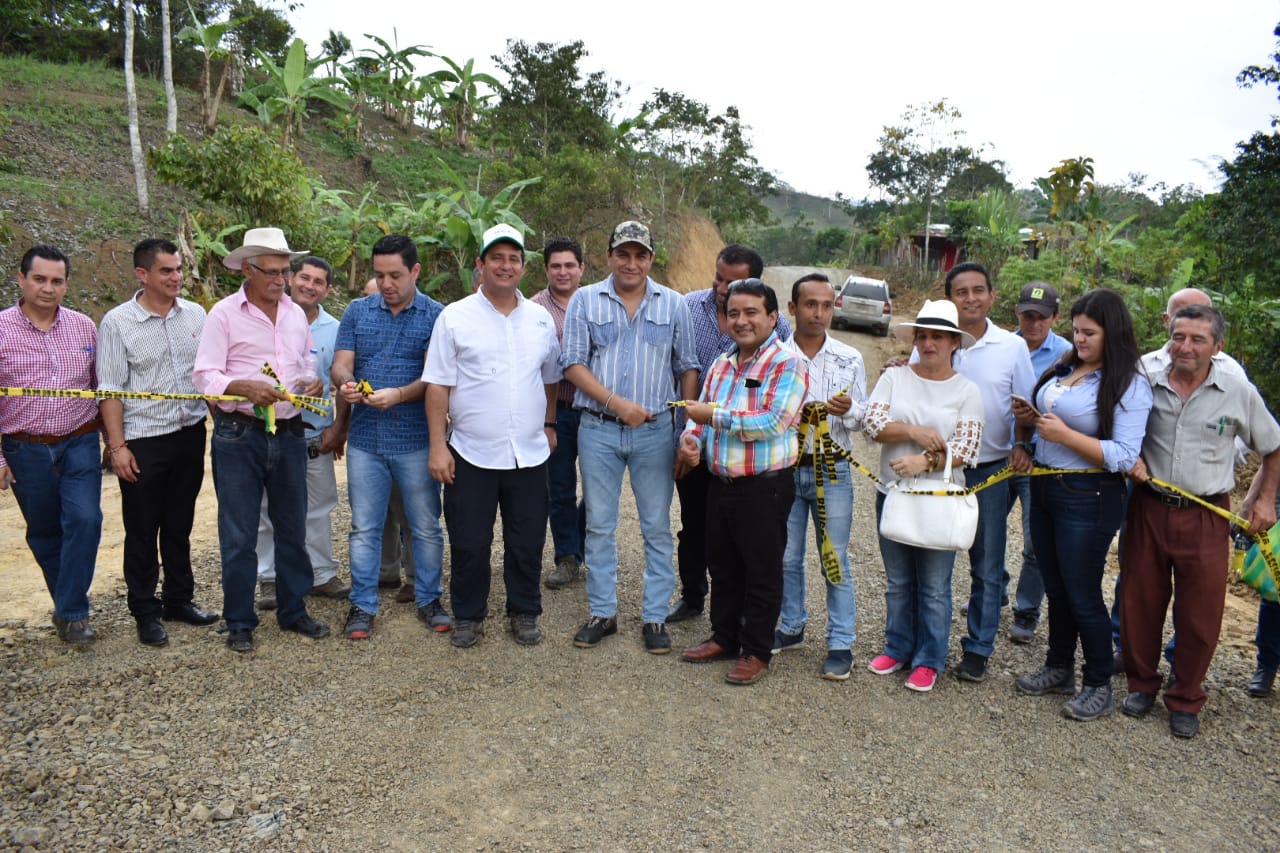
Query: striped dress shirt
[[639, 358], [142, 351], [60, 357], [753, 427]]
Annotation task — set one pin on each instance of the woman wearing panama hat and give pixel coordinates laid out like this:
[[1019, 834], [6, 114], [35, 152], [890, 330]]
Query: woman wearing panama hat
[[918, 412]]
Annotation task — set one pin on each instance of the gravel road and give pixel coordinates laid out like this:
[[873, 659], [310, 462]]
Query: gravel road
[[405, 743]]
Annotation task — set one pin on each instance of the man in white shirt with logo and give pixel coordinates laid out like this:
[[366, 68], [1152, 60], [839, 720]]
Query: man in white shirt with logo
[[492, 374]]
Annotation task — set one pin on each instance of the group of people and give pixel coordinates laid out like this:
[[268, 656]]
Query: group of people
[[499, 402]]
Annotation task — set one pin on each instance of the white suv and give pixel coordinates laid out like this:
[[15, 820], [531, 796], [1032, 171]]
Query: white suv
[[863, 303]]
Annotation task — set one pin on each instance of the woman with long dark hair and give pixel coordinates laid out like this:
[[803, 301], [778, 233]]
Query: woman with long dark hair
[[1091, 415]]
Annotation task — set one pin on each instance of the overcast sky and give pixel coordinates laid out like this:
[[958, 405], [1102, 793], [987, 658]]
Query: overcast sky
[[1139, 86]]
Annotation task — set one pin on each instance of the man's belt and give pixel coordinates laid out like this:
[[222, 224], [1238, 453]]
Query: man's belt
[[83, 429], [747, 478], [293, 424], [1176, 501], [613, 419]]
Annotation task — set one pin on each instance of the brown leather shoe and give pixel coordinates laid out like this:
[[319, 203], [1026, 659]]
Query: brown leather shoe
[[705, 653], [748, 670], [405, 594]]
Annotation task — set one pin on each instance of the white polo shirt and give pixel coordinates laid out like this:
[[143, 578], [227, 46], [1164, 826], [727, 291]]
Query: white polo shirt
[[497, 367]]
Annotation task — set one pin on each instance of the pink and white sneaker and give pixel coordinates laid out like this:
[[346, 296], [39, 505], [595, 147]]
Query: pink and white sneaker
[[883, 665], [922, 679]]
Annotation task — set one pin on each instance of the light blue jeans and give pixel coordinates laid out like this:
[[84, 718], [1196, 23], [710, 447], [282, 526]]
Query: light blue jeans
[[369, 477], [986, 560], [917, 597], [647, 453], [842, 609]]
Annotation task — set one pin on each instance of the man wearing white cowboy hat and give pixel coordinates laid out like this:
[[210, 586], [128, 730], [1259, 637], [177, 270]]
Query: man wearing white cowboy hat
[[257, 325]]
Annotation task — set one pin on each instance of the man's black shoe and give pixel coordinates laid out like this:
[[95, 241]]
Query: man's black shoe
[[1262, 683], [683, 611], [240, 640], [1138, 705], [189, 613], [596, 629], [308, 627], [151, 632], [1184, 724], [972, 667]]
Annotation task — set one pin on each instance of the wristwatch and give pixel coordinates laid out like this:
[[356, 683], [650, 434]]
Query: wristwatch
[[1027, 447]]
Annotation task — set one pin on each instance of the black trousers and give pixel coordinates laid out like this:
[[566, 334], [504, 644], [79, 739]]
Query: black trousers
[[691, 546], [746, 535], [470, 507], [161, 507]]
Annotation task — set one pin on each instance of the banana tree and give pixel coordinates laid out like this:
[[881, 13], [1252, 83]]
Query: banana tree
[[353, 220], [461, 100], [287, 90]]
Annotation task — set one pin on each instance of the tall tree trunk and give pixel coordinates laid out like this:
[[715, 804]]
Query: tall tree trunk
[[131, 95], [166, 50], [212, 118]]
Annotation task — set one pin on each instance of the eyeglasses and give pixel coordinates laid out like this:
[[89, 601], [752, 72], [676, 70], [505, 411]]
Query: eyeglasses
[[284, 274], [751, 286]]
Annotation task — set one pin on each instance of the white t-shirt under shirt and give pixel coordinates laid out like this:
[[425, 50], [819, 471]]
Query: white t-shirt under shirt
[[952, 406], [498, 367]]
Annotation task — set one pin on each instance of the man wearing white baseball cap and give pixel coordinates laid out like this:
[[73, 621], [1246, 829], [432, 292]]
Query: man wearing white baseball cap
[[492, 374], [257, 325]]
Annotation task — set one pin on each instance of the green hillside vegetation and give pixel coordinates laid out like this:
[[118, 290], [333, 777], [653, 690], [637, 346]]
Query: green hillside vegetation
[[340, 148]]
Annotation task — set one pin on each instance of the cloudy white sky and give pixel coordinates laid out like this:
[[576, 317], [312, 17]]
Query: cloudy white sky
[[1139, 86]]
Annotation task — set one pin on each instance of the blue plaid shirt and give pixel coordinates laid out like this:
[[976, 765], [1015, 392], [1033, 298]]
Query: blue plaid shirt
[[707, 338], [390, 351]]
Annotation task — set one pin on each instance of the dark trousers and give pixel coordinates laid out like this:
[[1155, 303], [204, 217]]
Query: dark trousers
[[691, 546], [1074, 517], [568, 514], [470, 507], [161, 507], [746, 536], [1172, 552]]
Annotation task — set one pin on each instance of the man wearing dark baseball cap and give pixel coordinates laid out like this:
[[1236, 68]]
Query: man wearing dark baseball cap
[[1037, 311]]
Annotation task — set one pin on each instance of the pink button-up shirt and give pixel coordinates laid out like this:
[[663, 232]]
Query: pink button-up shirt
[[60, 357], [239, 338]]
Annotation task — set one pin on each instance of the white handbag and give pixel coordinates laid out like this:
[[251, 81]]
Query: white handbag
[[942, 522]]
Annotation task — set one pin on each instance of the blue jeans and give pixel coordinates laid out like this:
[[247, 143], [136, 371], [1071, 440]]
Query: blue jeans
[[842, 610], [247, 461], [986, 560], [369, 478], [647, 452], [1074, 517], [59, 490], [917, 598], [1030, 590], [568, 515]]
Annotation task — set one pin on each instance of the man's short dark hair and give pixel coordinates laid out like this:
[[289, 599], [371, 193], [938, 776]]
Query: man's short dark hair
[[1202, 312], [753, 287], [144, 254], [805, 279], [736, 253], [48, 253], [318, 263], [967, 266], [397, 244], [561, 244]]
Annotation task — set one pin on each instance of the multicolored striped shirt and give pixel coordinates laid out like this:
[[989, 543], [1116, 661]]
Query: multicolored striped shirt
[[710, 342], [753, 427]]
